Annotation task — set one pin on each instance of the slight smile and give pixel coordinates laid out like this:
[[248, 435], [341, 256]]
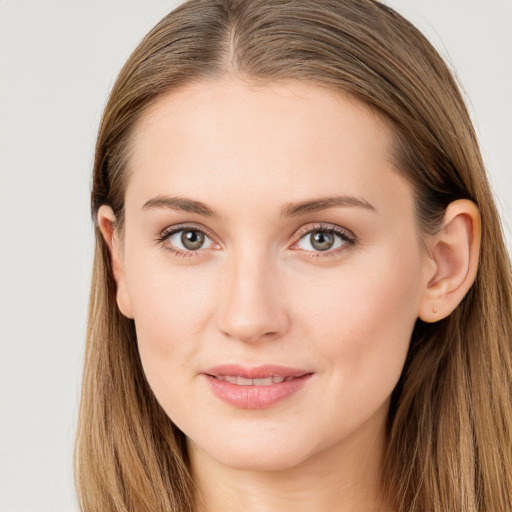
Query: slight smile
[[255, 388]]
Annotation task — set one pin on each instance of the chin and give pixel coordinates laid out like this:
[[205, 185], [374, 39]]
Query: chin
[[261, 462], [255, 456]]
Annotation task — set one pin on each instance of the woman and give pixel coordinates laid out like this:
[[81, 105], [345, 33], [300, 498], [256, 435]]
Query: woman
[[301, 295]]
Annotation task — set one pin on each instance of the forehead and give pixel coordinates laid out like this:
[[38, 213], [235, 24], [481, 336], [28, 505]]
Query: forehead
[[287, 139], [204, 109]]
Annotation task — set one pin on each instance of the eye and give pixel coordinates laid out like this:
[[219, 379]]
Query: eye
[[180, 239], [324, 239]]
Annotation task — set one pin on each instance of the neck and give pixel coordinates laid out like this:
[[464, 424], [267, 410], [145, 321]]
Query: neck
[[343, 478]]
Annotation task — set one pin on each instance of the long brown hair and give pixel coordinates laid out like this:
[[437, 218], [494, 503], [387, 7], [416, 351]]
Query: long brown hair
[[450, 421]]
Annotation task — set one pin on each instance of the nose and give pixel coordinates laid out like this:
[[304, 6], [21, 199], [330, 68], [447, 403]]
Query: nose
[[252, 305]]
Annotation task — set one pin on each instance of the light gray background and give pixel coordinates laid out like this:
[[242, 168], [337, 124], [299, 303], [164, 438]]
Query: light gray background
[[58, 61]]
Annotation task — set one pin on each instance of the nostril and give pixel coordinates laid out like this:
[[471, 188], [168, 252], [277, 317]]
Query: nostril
[[249, 334]]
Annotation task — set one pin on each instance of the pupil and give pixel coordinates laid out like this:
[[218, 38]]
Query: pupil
[[322, 241], [192, 239]]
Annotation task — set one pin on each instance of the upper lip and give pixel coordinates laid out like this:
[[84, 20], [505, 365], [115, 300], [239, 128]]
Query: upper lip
[[255, 372]]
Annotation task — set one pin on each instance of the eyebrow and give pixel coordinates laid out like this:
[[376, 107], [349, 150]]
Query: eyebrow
[[180, 204], [323, 203], [289, 210]]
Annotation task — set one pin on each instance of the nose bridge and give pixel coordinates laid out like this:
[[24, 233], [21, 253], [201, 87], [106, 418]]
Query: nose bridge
[[251, 306]]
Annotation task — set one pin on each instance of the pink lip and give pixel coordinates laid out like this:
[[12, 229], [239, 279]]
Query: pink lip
[[252, 396]]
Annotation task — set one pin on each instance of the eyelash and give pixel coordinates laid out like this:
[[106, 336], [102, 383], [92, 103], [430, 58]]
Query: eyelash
[[347, 237], [168, 232]]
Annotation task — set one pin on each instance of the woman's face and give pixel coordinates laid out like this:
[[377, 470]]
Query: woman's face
[[272, 265]]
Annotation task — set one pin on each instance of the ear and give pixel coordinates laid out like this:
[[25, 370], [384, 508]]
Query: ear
[[453, 253], [107, 225]]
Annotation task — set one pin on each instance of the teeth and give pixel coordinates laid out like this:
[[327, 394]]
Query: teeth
[[262, 382], [242, 381]]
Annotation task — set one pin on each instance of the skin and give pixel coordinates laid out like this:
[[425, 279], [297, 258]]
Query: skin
[[257, 292]]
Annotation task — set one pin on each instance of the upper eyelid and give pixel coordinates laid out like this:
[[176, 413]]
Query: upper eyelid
[[323, 226], [169, 230]]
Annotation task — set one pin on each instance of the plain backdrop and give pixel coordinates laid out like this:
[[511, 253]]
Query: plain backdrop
[[58, 61]]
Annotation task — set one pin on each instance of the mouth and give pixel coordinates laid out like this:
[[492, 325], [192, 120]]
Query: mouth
[[242, 381], [255, 388]]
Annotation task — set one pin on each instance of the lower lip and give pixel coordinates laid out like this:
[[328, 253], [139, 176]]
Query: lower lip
[[255, 397]]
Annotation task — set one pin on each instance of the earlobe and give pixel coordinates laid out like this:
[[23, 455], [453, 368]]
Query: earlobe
[[107, 226], [453, 260]]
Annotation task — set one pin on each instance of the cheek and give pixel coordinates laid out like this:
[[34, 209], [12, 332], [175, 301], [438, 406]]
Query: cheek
[[171, 309], [361, 316]]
